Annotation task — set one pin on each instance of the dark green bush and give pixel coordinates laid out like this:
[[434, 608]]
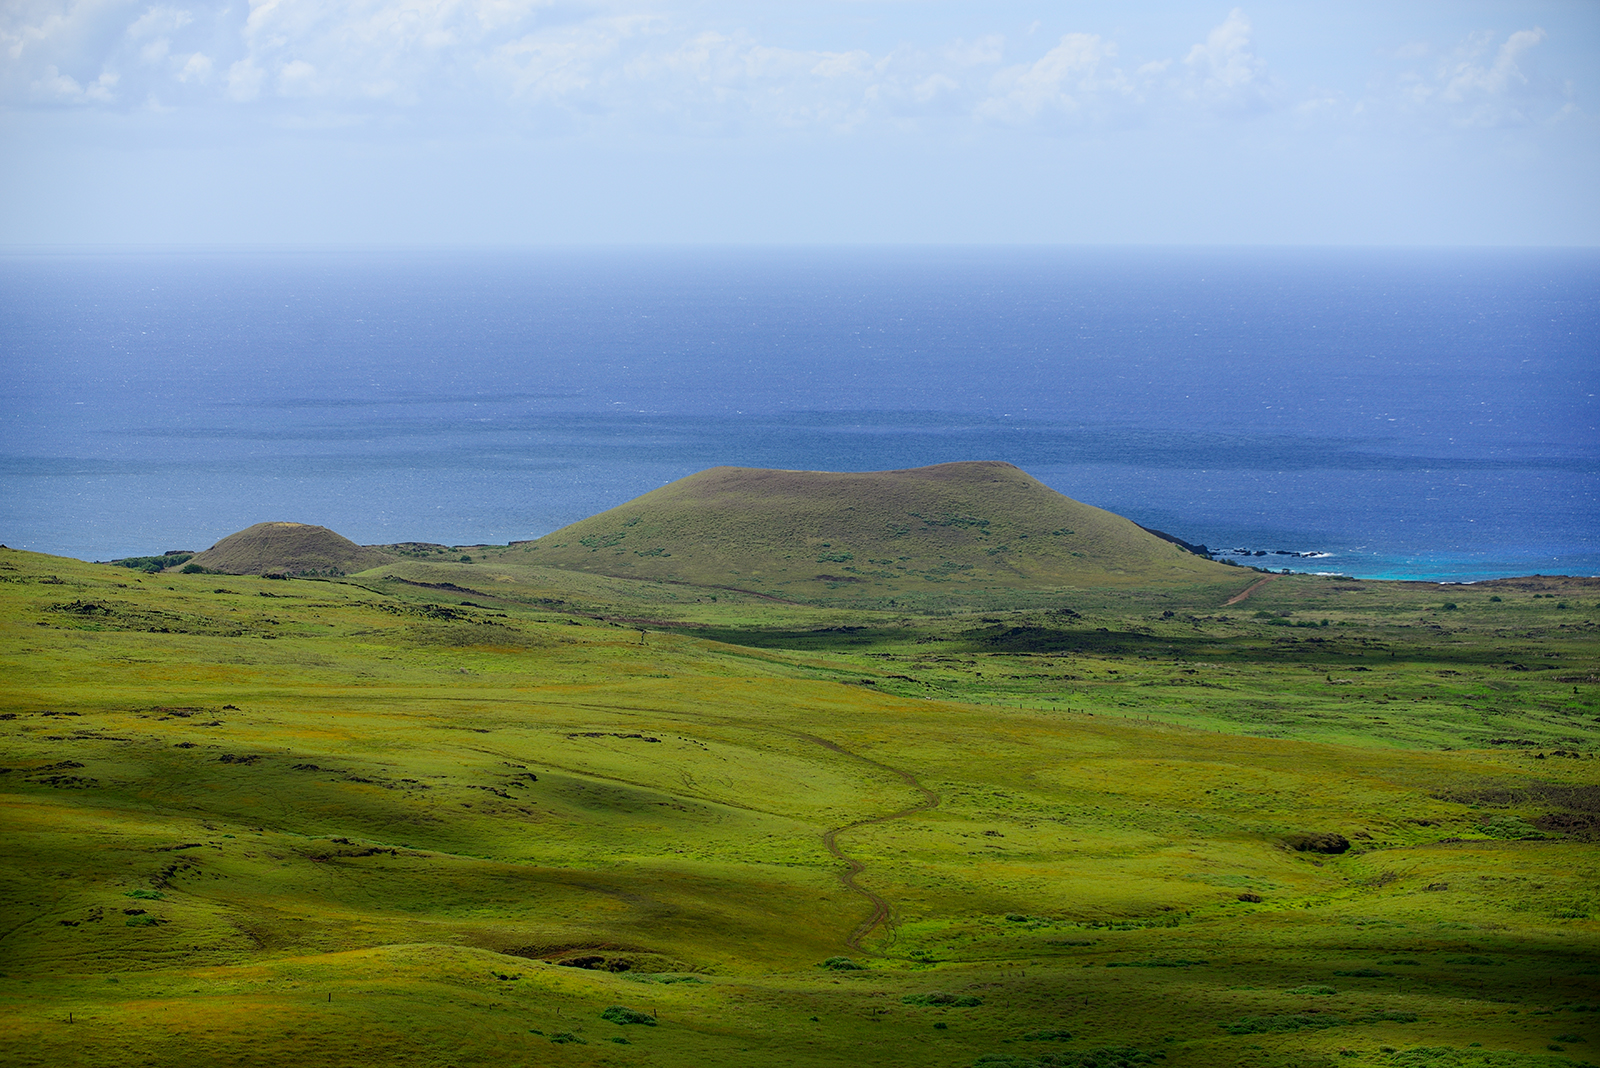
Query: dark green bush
[[152, 564], [1102, 1057], [841, 964], [1296, 1021], [620, 1014], [959, 1001]]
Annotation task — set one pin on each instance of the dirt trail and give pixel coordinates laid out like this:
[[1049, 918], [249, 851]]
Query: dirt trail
[[854, 867], [1248, 590]]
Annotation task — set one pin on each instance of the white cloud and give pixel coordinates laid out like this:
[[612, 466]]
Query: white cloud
[[1229, 72], [197, 68], [662, 66], [244, 80], [843, 64], [1471, 82], [1072, 75], [298, 78], [56, 86], [1481, 82], [933, 86], [159, 20], [599, 61], [979, 52], [567, 62]]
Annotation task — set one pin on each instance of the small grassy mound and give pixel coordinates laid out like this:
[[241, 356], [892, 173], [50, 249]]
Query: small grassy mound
[[288, 549], [621, 1014]]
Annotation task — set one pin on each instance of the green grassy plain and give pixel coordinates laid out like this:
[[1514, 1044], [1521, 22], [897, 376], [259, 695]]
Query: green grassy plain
[[447, 814]]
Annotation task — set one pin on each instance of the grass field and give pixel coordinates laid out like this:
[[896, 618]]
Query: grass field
[[451, 813]]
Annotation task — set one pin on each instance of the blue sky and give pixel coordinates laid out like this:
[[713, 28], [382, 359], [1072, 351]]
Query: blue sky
[[524, 122]]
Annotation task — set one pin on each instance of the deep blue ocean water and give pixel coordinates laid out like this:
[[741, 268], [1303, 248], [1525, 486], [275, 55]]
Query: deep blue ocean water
[[1424, 414]]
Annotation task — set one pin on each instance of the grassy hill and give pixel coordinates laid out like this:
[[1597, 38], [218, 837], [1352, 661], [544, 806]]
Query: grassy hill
[[288, 549], [453, 812], [814, 535]]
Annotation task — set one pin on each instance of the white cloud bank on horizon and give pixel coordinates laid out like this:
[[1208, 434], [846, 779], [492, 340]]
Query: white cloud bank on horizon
[[610, 77], [582, 67]]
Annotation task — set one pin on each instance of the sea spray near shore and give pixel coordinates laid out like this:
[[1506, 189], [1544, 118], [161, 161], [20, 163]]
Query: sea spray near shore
[[1435, 409]]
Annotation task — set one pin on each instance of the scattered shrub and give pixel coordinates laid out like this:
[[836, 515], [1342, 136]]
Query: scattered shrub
[[562, 1037], [959, 1001], [1315, 988], [620, 1014], [1266, 1025], [1047, 1036], [1319, 842], [842, 964], [153, 564], [1102, 1057], [1254, 899], [1507, 827], [1363, 973]]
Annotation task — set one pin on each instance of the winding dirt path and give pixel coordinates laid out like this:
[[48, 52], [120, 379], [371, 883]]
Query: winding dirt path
[[1248, 590], [881, 911], [853, 867]]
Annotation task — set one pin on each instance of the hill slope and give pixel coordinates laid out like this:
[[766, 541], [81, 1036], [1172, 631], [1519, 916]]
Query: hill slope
[[289, 549], [874, 534]]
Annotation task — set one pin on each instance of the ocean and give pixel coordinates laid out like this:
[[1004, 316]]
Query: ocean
[[1425, 414]]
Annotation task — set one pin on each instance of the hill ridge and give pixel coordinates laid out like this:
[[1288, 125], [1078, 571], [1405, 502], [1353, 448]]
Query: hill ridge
[[970, 524]]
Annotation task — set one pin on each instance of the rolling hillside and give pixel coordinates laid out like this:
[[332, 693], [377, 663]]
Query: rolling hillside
[[813, 534]]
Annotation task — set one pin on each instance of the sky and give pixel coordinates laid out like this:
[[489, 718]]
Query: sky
[[425, 123]]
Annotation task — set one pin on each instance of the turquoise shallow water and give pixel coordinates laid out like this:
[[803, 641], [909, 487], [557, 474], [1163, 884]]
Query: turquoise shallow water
[[1410, 414]]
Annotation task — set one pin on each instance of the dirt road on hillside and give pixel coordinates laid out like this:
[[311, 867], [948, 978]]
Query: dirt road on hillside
[[880, 908], [1248, 590]]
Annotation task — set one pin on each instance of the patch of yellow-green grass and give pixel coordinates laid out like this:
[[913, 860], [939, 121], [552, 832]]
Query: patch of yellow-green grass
[[360, 822]]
